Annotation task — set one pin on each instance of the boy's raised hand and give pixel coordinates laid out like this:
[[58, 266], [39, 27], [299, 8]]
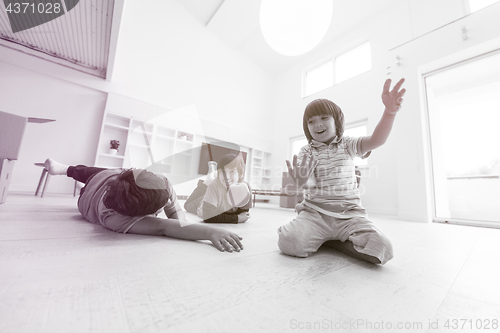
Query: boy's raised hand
[[394, 98], [300, 173]]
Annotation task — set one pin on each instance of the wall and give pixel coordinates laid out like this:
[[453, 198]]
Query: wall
[[184, 64], [398, 184], [164, 57], [71, 139], [443, 47]]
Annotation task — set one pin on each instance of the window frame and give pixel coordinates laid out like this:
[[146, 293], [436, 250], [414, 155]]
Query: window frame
[[470, 9], [431, 154], [333, 59]]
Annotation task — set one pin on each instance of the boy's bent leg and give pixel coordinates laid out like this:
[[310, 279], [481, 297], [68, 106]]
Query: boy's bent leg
[[303, 235], [368, 242], [347, 247], [82, 173]]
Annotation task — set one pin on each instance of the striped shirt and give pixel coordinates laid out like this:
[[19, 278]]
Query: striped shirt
[[333, 186]]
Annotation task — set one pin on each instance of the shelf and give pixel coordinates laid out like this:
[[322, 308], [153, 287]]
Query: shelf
[[257, 153], [141, 126], [143, 141], [182, 146], [260, 171], [139, 157], [112, 156], [184, 143], [183, 136], [117, 120], [140, 138], [137, 145], [163, 137], [122, 128], [165, 132], [109, 161]]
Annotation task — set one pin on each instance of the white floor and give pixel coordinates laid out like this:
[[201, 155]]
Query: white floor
[[59, 273]]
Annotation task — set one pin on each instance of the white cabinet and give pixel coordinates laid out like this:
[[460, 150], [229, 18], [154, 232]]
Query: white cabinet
[[115, 127], [260, 170], [165, 141], [145, 145]]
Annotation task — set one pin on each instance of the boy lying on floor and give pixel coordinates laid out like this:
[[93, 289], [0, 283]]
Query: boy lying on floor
[[129, 201]]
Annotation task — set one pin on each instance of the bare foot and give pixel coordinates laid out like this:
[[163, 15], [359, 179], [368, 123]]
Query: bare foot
[[55, 168]]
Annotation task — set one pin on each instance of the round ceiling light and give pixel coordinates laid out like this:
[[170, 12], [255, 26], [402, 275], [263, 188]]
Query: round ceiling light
[[294, 27]]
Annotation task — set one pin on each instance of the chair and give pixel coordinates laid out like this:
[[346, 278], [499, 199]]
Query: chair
[[44, 180]]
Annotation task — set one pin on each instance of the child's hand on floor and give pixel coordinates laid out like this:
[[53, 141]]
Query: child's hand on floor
[[225, 240], [243, 217], [300, 173]]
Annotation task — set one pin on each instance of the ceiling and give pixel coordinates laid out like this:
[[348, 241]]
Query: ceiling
[[81, 37], [236, 22]]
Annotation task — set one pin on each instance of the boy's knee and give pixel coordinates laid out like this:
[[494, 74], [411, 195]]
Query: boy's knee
[[386, 249], [374, 245], [292, 244], [384, 241], [389, 251]]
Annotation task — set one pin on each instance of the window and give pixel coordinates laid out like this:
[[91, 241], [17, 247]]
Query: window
[[296, 144], [355, 131], [476, 5], [339, 69], [353, 63], [319, 78]]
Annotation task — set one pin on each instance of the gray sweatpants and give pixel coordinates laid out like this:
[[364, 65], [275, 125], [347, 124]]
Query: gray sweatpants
[[310, 229]]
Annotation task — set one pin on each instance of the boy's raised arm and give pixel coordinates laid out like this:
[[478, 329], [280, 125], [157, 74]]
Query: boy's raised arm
[[392, 100]]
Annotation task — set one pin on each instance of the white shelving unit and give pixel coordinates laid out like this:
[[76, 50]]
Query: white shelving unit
[[260, 170], [145, 145], [164, 141], [114, 127]]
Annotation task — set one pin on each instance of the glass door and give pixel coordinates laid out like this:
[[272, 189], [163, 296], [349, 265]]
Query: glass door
[[463, 106]]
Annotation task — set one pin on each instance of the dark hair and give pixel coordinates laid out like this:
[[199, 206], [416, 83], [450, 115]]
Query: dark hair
[[233, 161], [136, 193], [320, 107]]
